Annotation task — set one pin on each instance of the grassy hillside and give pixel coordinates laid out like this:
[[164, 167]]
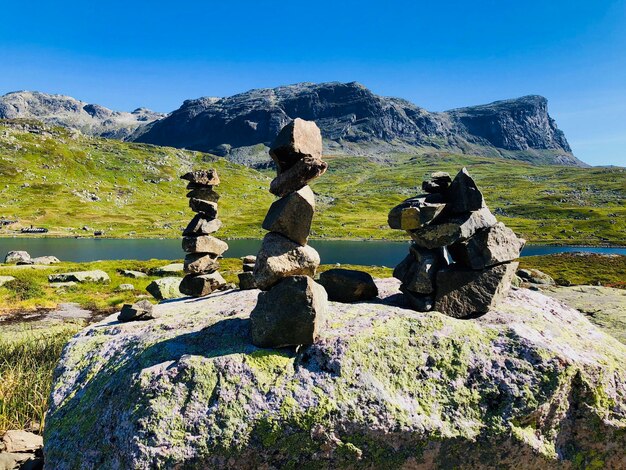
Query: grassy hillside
[[58, 180]]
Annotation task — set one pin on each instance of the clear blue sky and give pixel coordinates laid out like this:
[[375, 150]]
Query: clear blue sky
[[438, 54]]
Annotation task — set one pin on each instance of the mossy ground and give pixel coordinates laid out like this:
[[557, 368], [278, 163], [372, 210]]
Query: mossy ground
[[46, 180]]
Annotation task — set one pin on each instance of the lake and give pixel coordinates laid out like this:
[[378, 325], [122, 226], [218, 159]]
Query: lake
[[376, 253]]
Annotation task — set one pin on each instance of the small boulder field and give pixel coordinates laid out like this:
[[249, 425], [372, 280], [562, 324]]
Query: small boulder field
[[531, 384]]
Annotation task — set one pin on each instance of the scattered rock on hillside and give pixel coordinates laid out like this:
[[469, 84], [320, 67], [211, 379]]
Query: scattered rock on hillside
[[142, 310], [14, 257], [45, 260], [132, 274], [165, 288], [96, 275], [169, 269], [5, 279], [534, 276]]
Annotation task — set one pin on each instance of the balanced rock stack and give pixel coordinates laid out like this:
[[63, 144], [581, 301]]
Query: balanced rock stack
[[201, 247], [291, 310], [461, 260]]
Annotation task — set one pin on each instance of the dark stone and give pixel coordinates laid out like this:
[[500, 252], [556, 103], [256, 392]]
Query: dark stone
[[438, 182], [142, 310], [204, 284], [298, 176], [418, 270], [292, 313], [205, 193], [203, 177], [419, 302], [246, 281], [201, 225], [291, 216], [463, 292], [248, 268], [415, 212], [200, 263], [463, 195], [297, 140], [348, 285], [208, 208]]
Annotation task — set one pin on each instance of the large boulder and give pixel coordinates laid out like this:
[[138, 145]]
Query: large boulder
[[165, 288], [292, 313], [532, 384], [97, 275], [348, 285], [14, 257], [292, 215], [280, 257]]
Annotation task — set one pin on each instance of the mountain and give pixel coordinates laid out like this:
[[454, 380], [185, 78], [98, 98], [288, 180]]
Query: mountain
[[90, 119], [356, 121]]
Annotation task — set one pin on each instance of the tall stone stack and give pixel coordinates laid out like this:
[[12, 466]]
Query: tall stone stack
[[292, 307], [203, 249], [461, 260]]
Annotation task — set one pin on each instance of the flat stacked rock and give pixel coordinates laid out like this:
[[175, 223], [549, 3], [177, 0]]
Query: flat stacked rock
[[246, 278], [477, 270], [202, 248], [292, 309]]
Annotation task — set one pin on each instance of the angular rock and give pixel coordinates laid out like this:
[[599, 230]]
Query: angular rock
[[200, 263], [246, 281], [463, 195], [133, 274], [165, 288], [204, 244], [248, 259], [201, 225], [14, 257], [488, 247], [126, 287], [453, 229], [18, 460], [415, 212], [142, 310], [419, 302], [45, 260], [248, 268], [293, 313], [291, 216], [206, 193], [418, 270], [202, 177], [438, 183], [463, 292], [204, 284], [280, 257], [5, 279], [96, 275], [297, 140], [348, 285], [21, 441], [208, 208], [534, 276], [298, 176], [169, 269]]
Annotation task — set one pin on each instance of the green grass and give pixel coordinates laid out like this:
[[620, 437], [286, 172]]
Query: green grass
[[27, 361], [140, 194]]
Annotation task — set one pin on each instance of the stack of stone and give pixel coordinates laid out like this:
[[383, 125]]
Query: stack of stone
[[246, 278], [291, 310], [201, 247], [460, 261]]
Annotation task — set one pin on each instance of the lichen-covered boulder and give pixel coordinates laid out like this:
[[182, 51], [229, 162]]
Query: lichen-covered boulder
[[531, 384]]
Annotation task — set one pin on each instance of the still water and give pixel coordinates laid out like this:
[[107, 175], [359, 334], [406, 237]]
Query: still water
[[375, 253]]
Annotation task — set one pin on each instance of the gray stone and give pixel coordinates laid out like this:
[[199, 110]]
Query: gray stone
[[463, 292], [415, 212], [452, 230], [200, 263], [14, 257], [248, 259], [463, 195], [21, 441], [418, 270], [14, 460], [297, 140], [5, 279], [45, 260], [204, 244], [204, 284], [487, 247], [165, 288], [206, 193], [201, 225], [291, 216], [169, 269], [348, 285], [208, 208], [61, 285], [534, 276], [202, 177], [292, 313], [126, 287], [96, 275], [419, 302], [246, 280], [142, 310], [133, 274], [280, 257], [438, 182], [298, 176]]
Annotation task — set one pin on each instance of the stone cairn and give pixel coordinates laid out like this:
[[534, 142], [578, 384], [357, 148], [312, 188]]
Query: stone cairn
[[201, 247], [461, 260], [292, 307]]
